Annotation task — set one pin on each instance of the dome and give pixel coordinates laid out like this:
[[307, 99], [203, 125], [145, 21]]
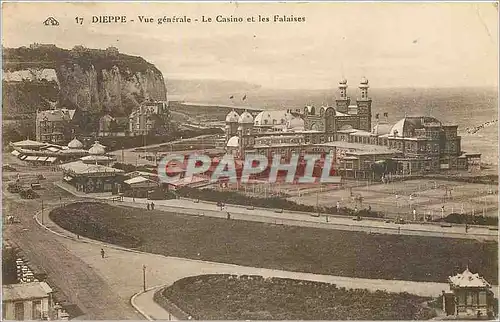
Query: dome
[[75, 144], [232, 117], [406, 126], [233, 142], [97, 149], [275, 117], [364, 81], [343, 81], [381, 129], [295, 124], [245, 118]]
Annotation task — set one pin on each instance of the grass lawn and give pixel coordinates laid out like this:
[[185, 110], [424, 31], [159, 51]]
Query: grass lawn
[[322, 251], [229, 297]]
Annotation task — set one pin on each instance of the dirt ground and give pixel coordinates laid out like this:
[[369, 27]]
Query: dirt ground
[[427, 197]]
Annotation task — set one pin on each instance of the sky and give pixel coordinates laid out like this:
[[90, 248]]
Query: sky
[[391, 44]]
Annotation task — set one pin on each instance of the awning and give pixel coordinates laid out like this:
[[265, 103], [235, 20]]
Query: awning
[[22, 157], [16, 153], [31, 158], [67, 178], [53, 149], [51, 159], [41, 159]]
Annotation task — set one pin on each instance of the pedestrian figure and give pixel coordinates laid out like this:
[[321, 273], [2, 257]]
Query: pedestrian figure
[[326, 218], [228, 215], [147, 205], [102, 253], [466, 228], [442, 211], [77, 236], [399, 229], [414, 214], [152, 206], [356, 209], [369, 208], [338, 206]]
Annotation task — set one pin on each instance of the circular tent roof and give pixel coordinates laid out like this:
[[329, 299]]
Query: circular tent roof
[[232, 117], [97, 149], [245, 118], [75, 144]]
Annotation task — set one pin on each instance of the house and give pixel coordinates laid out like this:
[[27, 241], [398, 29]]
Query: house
[[27, 301], [111, 126], [56, 126], [469, 297], [146, 117]]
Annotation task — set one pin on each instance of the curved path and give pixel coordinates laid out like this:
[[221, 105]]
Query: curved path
[[122, 270], [370, 225]]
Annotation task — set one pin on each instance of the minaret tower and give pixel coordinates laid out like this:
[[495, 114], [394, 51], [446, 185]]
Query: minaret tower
[[364, 106], [343, 101]]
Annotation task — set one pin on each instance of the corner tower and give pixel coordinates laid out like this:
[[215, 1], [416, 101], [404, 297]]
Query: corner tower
[[343, 101], [364, 106]]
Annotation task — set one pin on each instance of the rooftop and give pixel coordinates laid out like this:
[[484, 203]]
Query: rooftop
[[24, 291], [78, 167], [468, 279]]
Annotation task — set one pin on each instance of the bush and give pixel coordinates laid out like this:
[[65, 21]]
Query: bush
[[456, 218], [223, 297]]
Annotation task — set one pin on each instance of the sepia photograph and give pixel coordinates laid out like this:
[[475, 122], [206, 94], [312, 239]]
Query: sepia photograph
[[250, 160]]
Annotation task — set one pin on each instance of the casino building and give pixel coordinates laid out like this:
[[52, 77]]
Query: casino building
[[416, 144]]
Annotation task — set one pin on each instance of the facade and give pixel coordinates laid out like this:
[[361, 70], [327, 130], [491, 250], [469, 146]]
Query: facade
[[26, 301], [469, 297], [144, 118], [55, 126], [416, 144], [111, 126]]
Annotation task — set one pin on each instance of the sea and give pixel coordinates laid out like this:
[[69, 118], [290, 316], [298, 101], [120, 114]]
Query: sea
[[474, 110]]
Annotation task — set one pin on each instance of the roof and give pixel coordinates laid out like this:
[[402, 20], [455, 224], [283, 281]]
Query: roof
[[468, 279], [406, 126], [24, 291], [78, 167], [381, 129], [75, 144], [233, 142], [138, 179], [97, 149], [245, 118], [56, 115], [28, 143], [232, 117], [97, 158], [359, 146], [272, 117]]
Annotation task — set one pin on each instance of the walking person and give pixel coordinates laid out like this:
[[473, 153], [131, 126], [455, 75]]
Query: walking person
[[326, 218], [228, 215], [338, 207], [466, 228], [147, 206], [152, 206], [102, 253], [414, 214]]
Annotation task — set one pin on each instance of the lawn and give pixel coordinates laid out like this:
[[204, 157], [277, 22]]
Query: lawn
[[322, 251], [231, 297]]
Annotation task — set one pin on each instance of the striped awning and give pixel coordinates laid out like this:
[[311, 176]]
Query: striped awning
[[41, 159], [16, 153], [31, 158], [51, 159], [22, 157]]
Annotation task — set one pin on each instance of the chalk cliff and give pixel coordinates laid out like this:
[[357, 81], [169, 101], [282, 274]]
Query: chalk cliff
[[95, 81]]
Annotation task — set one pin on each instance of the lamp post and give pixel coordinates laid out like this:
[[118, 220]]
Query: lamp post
[[42, 212], [144, 277]]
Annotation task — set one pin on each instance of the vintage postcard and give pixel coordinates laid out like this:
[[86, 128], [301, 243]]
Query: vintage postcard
[[250, 161]]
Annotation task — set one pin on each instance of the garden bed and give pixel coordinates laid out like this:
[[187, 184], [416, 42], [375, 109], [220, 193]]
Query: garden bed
[[303, 249], [231, 297]]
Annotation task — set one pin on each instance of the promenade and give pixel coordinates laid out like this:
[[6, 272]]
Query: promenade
[[237, 212]]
